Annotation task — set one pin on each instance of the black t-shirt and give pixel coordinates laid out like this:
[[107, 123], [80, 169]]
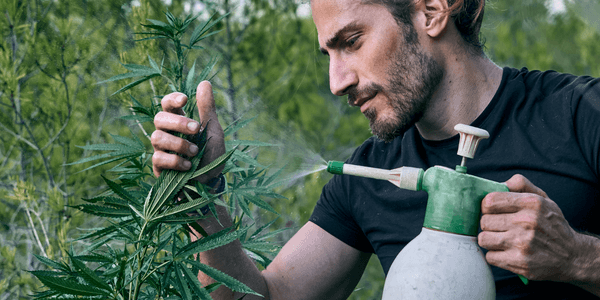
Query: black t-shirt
[[543, 125]]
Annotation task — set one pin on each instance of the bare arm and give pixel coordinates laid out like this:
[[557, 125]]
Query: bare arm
[[312, 265]]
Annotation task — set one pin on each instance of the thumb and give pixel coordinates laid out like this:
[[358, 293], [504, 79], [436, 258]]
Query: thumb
[[519, 184], [205, 102]]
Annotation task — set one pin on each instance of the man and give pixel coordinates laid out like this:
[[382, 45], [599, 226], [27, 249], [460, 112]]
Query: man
[[415, 69]]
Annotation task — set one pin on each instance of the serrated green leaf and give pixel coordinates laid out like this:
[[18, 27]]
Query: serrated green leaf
[[141, 69], [236, 143], [127, 141], [154, 65], [261, 246], [213, 241], [107, 230], [102, 211], [52, 264], [260, 203], [272, 233], [192, 280], [215, 163], [168, 184], [234, 127], [106, 147], [88, 275], [244, 206], [125, 76], [244, 157], [260, 229], [135, 83], [223, 278], [182, 282], [181, 208], [117, 189], [189, 82], [68, 287]]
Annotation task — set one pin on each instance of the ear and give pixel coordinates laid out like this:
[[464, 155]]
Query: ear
[[436, 15]]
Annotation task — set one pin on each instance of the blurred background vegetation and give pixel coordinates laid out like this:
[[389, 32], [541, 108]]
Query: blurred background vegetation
[[53, 52]]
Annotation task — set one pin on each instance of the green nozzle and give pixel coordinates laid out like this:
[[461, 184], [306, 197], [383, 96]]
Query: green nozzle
[[335, 167]]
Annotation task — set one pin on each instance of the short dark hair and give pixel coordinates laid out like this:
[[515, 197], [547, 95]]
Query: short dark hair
[[467, 16]]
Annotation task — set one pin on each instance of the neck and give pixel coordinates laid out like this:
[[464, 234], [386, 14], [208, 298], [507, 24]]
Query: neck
[[468, 86]]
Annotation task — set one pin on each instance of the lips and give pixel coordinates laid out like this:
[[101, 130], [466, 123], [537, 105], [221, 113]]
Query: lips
[[362, 102]]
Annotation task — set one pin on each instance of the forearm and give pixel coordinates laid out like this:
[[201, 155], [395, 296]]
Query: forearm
[[231, 260], [586, 265]]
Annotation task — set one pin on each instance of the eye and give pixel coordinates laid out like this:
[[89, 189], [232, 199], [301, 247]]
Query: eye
[[353, 41]]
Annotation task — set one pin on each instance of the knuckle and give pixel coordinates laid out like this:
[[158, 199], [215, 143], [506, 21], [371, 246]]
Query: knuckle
[[181, 146], [155, 137], [534, 202], [520, 180], [528, 221]]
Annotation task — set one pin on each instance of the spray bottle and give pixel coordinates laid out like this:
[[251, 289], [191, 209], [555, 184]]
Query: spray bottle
[[444, 261]]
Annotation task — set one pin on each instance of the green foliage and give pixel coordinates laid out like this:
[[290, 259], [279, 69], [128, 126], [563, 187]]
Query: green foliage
[[149, 225], [53, 54]]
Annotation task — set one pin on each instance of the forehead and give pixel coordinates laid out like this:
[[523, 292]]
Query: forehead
[[332, 15]]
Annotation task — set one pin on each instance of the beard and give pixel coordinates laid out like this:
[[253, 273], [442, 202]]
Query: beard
[[413, 78]]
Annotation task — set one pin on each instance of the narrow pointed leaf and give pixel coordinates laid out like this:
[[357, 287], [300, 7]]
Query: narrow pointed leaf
[[215, 163], [236, 126], [103, 211], [69, 287], [180, 276], [88, 275], [192, 280], [185, 207], [260, 203], [117, 189], [51, 263], [213, 241], [225, 279], [135, 83]]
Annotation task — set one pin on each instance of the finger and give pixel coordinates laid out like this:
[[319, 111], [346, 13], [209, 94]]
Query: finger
[[497, 241], [174, 102], [506, 202], [500, 203], [511, 260], [206, 107], [519, 184], [163, 161], [496, 222], [166, 121], [162, 141]]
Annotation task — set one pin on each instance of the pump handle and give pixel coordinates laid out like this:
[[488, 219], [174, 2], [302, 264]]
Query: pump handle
[[469, 139]]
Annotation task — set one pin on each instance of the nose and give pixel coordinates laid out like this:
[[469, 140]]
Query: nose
[[341, 76]]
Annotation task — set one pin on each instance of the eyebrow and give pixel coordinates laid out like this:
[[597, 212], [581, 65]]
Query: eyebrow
[[333, 41]]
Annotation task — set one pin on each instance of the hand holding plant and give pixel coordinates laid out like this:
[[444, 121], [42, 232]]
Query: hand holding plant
[[145, 250]]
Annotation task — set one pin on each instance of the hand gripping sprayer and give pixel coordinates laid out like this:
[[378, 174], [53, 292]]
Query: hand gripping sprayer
[[444, 260]]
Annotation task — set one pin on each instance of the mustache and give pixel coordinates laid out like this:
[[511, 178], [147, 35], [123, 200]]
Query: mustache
[[355, 94]]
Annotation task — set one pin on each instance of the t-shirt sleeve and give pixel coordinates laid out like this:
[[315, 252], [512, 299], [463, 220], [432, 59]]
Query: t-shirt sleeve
[[586, 121], [333, 215], [333, 212]]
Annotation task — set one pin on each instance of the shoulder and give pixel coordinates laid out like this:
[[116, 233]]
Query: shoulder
[[552, 82]]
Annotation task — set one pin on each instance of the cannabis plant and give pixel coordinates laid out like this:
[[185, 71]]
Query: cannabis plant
[[145, 250]]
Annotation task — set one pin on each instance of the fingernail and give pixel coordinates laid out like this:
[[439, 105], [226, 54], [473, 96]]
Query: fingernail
[[193, 126], [193, 149], [180, 99], [187, 164]]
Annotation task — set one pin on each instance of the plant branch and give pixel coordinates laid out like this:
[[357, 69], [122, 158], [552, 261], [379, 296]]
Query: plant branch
[[37, 238]]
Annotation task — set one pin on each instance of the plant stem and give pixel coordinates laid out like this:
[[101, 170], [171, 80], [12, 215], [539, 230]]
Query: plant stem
[[37, 238]]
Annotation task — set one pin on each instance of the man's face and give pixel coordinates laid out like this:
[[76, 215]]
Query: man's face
[[370, 61]]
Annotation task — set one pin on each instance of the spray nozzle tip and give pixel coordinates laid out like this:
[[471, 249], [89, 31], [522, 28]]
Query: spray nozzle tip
[[335, 167]]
